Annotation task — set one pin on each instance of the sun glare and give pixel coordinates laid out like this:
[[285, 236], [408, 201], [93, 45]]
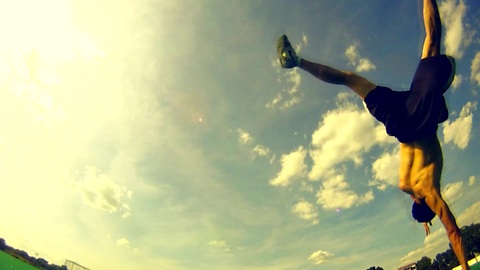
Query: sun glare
[[45, 27]]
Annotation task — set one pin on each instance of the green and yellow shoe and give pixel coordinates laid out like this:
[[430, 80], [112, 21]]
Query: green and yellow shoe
[[286, 54]]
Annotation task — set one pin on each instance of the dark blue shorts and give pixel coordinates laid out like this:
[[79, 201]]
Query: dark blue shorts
[[414, 114]]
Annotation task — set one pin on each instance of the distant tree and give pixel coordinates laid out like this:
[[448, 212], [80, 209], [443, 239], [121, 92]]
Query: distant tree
[[471, 239], [375, 268], [56, 267], [446, 260], [425, 263], [40, 262], [3, 244], [21, 253]]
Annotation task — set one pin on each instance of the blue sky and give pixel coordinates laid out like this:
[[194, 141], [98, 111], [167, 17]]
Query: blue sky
[[164, 135]]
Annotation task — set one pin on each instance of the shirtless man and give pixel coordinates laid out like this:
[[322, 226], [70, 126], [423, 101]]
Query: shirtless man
[[411, 116]]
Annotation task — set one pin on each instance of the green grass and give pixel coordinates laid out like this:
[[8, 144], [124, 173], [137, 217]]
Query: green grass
[[7, 262]]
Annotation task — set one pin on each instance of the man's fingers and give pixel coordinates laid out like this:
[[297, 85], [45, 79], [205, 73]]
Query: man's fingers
[[427, 228]]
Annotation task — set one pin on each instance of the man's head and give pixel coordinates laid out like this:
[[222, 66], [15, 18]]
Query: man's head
[[421, 212]]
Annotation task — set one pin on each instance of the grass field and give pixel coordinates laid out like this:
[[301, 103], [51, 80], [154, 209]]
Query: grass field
[[472, 267], [8, 262]]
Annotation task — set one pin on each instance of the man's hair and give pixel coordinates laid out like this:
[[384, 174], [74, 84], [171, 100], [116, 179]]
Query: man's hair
[[421, 212]]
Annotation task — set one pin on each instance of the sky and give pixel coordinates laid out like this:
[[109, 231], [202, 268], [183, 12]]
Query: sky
[[164, 135]]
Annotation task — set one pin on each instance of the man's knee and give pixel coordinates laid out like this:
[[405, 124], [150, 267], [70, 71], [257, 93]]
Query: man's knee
[[358, 84]]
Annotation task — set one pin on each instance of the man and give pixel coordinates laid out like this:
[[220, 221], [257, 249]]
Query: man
[[411, 116]]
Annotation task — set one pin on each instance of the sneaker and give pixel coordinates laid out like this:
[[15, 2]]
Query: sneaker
[[286, 54]]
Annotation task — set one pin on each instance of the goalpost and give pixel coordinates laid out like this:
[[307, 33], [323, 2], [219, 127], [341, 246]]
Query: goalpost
[[74, 266]]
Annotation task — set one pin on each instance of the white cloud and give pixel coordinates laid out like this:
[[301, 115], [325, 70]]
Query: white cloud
[[291, 96], [274, 101], [260, 150], [293, 167], [470, 215], [272, 159], [433, 244], [351, 53], [451, 192], [306, 187], [334, 193], [306, 211], [475, 69], [332, 145], [305, 39], [456, 37], [99, 191], [319, 257], [123, 242], [244, 137], [457, 81], [471, 180], [360, 63], [385, 170], [219, 245], [365, 64], [458, 131]]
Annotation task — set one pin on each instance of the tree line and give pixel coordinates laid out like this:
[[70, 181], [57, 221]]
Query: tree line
[[447, 260], [22, 255]]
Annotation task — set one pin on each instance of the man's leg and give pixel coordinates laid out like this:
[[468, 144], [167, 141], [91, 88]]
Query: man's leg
[[427, 159], [359, 85], [432, 44], [433, 29], [289, 59]]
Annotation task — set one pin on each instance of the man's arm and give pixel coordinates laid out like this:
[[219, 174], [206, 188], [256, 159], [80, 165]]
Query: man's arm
[[438, 205], [426, 174]]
